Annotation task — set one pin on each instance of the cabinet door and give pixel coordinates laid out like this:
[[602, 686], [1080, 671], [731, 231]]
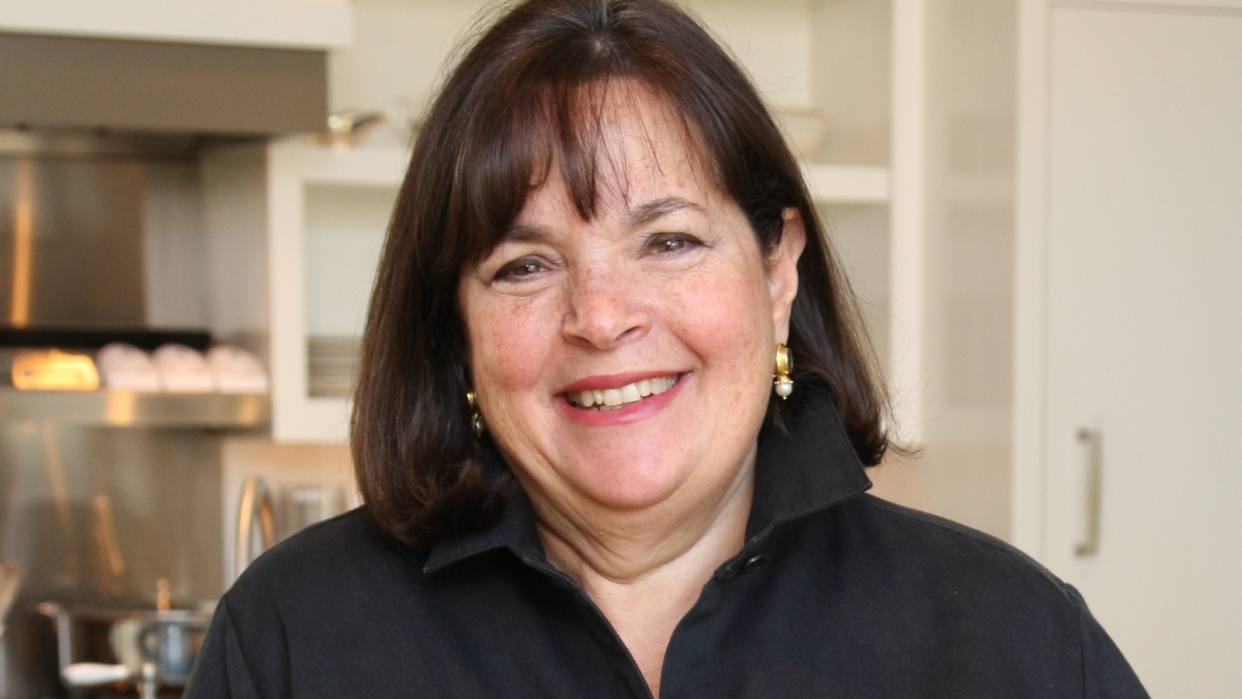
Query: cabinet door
[[1144, 332]]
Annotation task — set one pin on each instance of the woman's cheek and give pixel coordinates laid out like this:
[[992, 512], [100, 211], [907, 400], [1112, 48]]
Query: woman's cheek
[[513, 343], [719, 310]]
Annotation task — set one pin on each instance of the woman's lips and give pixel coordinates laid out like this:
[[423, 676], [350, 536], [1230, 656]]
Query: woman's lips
[[604, 399], [661, 387]]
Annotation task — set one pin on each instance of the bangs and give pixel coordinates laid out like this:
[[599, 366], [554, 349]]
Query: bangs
[[542, 100], [518, 145]]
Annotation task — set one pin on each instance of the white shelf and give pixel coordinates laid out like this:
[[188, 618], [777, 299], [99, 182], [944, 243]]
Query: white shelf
[[845, 184], [300, 24], [385, 167], [363, 166]]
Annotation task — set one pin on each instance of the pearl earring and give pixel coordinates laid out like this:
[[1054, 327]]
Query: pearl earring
[[784, 366]]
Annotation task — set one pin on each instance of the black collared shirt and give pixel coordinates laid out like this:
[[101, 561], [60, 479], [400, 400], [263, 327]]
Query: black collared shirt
[[835, 594]]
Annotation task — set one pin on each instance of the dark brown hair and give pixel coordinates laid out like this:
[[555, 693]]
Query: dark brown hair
[[526, 95]]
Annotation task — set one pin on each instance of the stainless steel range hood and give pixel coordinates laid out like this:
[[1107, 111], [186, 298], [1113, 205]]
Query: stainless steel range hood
[[103, 112], [101, 84], [99, 192]]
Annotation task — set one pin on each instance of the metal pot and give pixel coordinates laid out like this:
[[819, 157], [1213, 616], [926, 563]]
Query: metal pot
[[142, 649]]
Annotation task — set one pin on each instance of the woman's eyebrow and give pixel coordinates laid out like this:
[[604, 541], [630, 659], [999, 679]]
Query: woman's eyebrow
[[523, 233], [651, 210]]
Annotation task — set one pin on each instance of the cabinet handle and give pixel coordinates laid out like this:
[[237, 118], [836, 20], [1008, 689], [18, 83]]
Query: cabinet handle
[[1095, 468], [256, 502]]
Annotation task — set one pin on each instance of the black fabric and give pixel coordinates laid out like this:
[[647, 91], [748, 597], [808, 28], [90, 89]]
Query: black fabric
[[835, 594]]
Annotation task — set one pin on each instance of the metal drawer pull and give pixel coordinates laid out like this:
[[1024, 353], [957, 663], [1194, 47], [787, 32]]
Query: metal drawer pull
[[1095, 465]]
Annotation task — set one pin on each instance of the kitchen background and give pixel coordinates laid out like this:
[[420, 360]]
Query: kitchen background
[[1036, 200]]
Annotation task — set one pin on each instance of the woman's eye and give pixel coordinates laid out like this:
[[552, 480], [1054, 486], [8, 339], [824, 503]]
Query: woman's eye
[[519, 269], [671, 243]]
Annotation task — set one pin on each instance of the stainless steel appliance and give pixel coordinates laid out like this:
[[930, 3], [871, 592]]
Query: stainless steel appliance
[[104, 493], [97, 515]]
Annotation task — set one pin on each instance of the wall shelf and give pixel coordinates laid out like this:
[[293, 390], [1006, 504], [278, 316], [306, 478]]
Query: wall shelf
[[385, 167], [847, 184], [361, 166]]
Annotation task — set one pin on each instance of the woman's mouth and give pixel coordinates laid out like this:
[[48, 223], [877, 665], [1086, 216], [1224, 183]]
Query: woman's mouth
[[617, 398]]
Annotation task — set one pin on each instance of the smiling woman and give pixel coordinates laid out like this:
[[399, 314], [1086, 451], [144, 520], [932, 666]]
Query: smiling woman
[[665, 283], [623, 119], [577, 480]]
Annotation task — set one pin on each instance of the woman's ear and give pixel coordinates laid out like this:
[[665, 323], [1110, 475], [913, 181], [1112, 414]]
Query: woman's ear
[[783, 270]]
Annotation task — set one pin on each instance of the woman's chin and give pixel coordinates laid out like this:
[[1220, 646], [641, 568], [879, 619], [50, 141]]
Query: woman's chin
[[633, 484]]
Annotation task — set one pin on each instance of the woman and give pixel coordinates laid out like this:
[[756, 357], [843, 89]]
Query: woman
[[578, 481]]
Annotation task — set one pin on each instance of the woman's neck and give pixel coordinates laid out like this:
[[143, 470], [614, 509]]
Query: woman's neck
[[645, 570]]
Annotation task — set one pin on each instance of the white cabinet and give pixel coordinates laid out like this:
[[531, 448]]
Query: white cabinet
[[329, 217], [294, 233], [1129, 328], [300, 24]]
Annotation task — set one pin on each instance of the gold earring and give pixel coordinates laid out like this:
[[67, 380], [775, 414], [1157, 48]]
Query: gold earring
[[784, 367], [476, 420]]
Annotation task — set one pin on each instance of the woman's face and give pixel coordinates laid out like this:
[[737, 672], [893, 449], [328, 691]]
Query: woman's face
[[662, 308]]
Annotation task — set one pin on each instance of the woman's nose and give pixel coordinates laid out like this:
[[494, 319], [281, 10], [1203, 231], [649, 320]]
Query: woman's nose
[[605, 309]]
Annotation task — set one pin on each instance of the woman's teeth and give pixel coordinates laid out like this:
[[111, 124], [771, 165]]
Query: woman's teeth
[[614, 398]]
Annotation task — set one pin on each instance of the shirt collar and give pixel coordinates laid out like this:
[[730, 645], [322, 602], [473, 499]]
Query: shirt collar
[[805, 468]]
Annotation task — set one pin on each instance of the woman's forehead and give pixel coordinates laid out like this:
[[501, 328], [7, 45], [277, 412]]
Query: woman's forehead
[[640, 150]]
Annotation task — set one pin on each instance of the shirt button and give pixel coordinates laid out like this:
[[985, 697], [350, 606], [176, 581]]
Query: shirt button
[[754, 563]]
